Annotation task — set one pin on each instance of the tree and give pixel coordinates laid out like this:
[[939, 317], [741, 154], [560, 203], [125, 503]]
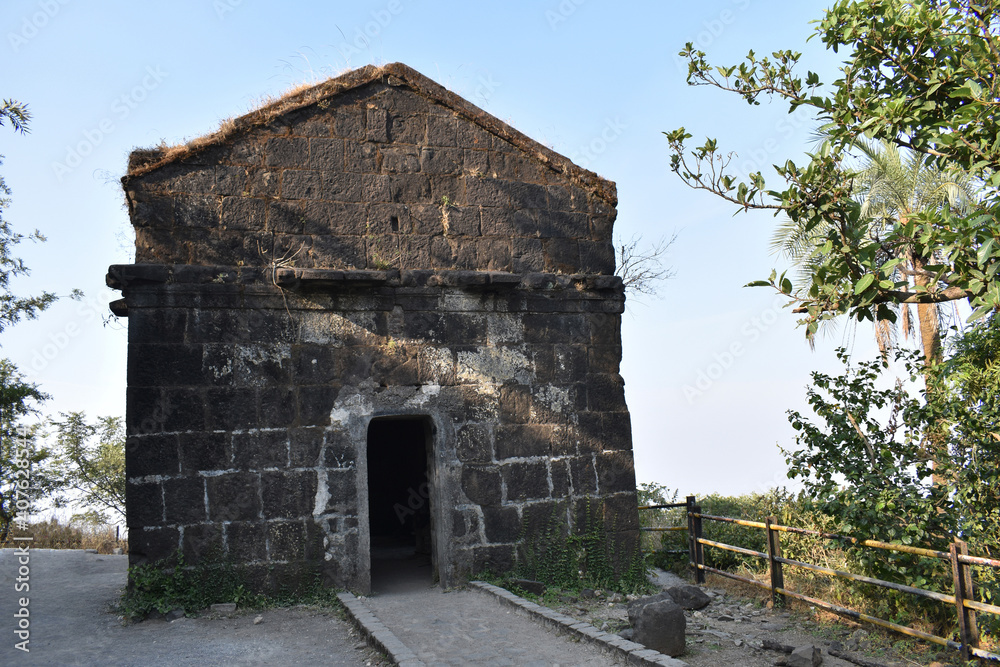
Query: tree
[[90, 459], [893, 185], [920, 75], [20, 457], [642, 270], [12, 307], [863, 460]]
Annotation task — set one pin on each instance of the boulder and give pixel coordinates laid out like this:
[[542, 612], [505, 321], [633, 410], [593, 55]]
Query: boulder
[[689, 597], [661, 626], [636, 606], [805, 656]]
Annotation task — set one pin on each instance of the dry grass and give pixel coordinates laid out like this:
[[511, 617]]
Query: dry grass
[[262, 111], [54, 535]]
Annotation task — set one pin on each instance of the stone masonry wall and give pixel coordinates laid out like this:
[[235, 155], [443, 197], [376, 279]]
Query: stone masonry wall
[[247, 427], [377, 177]]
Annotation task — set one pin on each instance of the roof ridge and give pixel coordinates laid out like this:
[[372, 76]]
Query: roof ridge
[[142, 162]]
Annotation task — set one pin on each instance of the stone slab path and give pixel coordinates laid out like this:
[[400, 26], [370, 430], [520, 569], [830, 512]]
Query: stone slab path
[[468, 627], [71, 623]]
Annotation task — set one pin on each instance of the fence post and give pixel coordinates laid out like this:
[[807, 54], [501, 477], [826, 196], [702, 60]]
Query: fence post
[[968, 631], [774, 552], [699, 549], [690, 519]]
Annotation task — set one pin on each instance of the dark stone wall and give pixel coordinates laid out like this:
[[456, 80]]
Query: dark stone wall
[[371, 255], [247, 426], [379, 176]]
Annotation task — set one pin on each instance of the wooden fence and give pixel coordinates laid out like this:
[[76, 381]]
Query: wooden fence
[[961, 562]]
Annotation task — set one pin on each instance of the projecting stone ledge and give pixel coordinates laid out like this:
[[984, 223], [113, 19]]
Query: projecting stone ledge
[[121, 276]]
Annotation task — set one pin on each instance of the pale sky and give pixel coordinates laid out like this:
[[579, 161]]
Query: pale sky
[[710, 367]]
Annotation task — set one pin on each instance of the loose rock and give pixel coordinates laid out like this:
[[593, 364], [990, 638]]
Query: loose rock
[[689, 597], [661, 626]]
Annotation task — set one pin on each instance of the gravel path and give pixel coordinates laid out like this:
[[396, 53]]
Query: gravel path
[[70, 596], [472, 628]]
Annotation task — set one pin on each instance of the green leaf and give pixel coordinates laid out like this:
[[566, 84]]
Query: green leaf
[[864, 283], [985, 251]]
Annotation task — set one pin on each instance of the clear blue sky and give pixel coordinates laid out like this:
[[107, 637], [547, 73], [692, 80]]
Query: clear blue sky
[[597, 81]]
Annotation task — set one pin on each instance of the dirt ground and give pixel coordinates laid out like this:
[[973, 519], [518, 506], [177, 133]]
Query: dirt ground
[[732, 630]]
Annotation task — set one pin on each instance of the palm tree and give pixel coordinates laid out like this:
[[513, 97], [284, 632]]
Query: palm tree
[[892, 186]]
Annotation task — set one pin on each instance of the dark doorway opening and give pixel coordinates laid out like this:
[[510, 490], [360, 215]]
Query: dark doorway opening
[[399, 503]]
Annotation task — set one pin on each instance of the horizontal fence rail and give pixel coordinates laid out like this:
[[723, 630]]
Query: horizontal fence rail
[[961, 599]]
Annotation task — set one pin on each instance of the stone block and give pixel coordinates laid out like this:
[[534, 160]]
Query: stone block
[[349, 123], [246, 541], [606, 392], [144, 504], [561, 255], [151, 544], [615, 472], [482, 484], [583, 475], [407, 129], [326, 154], [377, 125], [441, 160], [501, 524], [200, 451], [259, 449], [234, 497], [202, 542], [231, 409], [243, 213], [184, 500], [515, 403], [341, 485], [526, 481], [286, 152], [485, 191], [304, 447], [288, 494], [151, 455], [343, 187], [303, 184], [474, 443], [523, 440], [442, 131], [199, 211], [409, 188], [400, 160], [315, 404], [360, 158], [492, 558]]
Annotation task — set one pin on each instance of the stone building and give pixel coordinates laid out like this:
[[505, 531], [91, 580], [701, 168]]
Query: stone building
[[370, 317]]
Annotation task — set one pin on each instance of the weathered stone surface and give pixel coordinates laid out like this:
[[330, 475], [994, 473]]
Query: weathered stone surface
[[689, 597], [805, 656], [661, 626], [385, 251]]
